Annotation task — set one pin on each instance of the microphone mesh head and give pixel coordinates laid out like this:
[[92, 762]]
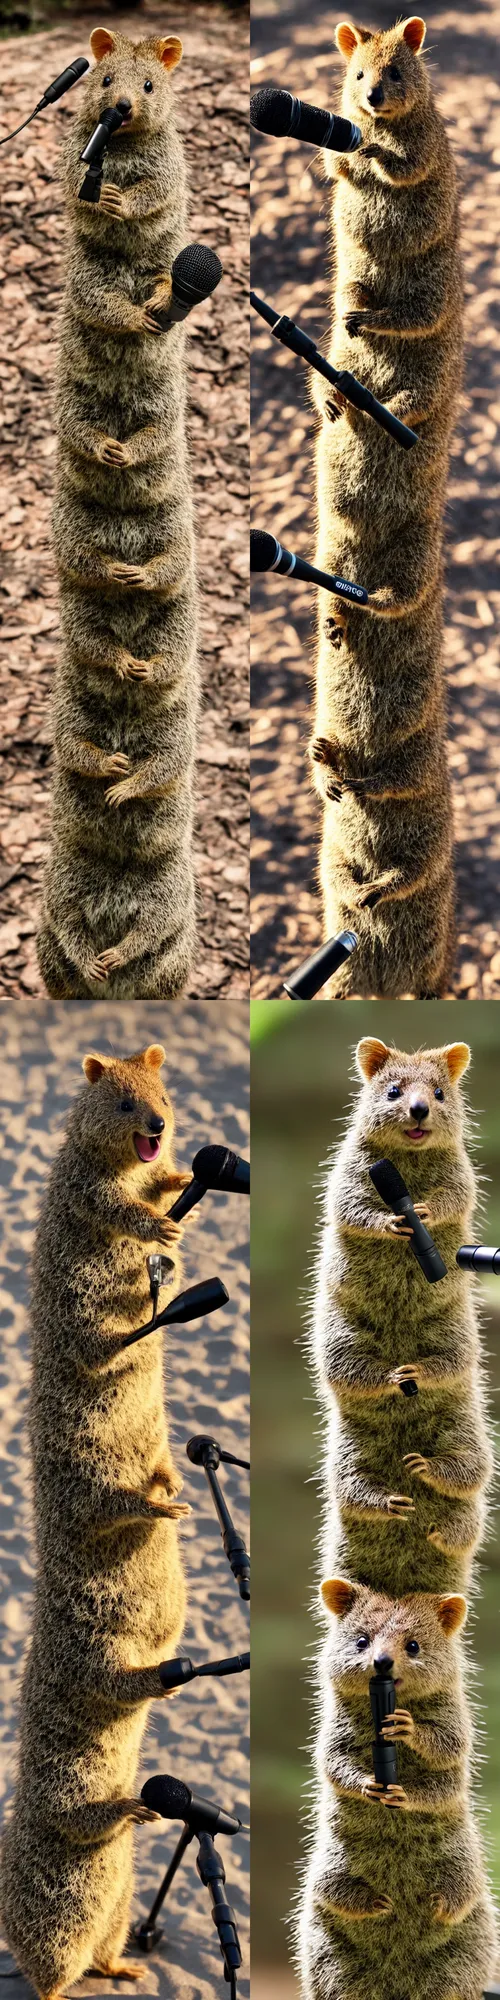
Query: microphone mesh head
[[271, 111], [388, 1181], [209, 1162], [263, 549], [167, 1796], [195, 272]]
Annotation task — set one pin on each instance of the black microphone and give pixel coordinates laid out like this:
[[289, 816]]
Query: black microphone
[[300, 343], [54, 90], [477, 1257], [94, 151], [214, 1167], [174, 1800], [315, 971], [382, 1703], [286, 117], [175, 1673], [391, 1187], [266, 553], [191, 1304], [195, 273]]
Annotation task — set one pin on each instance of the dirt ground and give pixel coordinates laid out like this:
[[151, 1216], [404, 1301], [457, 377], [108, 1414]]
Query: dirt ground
[[212, 96], [201, 1736], [294, 47]]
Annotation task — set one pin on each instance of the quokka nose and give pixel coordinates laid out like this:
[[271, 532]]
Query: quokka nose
[[376, 95], [419, 1109], [156, 1124], [383, 1663], [123, 104]]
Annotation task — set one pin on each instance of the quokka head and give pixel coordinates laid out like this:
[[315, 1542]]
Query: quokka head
[[138, 72], [410, 1640], [411, 1102], [126, 1117], [385, 77]]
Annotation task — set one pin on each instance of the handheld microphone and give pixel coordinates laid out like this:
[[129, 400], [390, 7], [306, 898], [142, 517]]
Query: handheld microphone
[[93, 153], [174, 1800], [195, 273], [300, 343], [391, 1187], [315, 971], [267, 553], [477, 1257], [54, 90], [285, 117], [214, 1167], [175, 1673], [193, 1303], [382, 1703]]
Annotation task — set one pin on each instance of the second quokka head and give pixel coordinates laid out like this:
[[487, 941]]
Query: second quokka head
[[409, 1639], [126, 1118], [386, 77], [411, 1102]]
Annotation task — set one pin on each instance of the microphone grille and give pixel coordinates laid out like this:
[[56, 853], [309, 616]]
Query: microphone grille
[[271, 111], [168, 1796], [388, 1181], [210, 1160], [195, 272], [263, 549]]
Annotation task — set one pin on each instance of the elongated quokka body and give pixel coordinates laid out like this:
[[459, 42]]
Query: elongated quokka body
[[119, 894], [110, 1594], [378, 751], [405, 1481], [396, 1903]]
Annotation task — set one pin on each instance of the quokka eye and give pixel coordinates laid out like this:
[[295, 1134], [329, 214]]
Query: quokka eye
[[395, 73], [362, 1642], [412, 1647], [148, 85], [439, 1094], [127, 1104], [394, 1090], [359, 75], [105, 81]]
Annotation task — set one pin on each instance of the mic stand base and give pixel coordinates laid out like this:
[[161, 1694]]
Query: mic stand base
[[146, 1933]]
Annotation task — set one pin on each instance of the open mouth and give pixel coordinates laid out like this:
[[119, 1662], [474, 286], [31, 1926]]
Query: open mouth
[[147, 1148], [415, 1132]]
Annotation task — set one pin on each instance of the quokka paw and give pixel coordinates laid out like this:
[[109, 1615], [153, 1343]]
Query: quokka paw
[[113, 453], [141, 1814], [137, 670], [417, 1464], [370, 897], [131, 576], [112, 200], [410, 1371], [167, 1230], [441, 1910], [399, 1505], [394, 1797], [117, 795], [99, 968], [123, 1968], [398, 1727], [357, 321], [148, 322], [115, 765]]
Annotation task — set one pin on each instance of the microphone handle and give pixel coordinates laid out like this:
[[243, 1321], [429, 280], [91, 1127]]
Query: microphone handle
[[425, 1251], [300, 343], [286, 564], [478, 1257]]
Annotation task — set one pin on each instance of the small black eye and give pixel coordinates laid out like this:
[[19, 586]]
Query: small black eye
[[105, 81], [148, 85], [394, 1090], [412, 1647], [439, 1094], [362, 1642], [127, 1104], [359, 75], [395, 73]]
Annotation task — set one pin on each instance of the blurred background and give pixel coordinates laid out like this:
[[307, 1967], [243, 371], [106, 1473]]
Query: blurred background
[[301, 1088]]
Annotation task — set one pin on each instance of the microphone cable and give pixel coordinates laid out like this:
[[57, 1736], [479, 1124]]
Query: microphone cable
[[54, 90]]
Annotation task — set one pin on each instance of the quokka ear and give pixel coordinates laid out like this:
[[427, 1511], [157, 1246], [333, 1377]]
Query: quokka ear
[[168, 51], [93, 1067], [154, 1056], [371, 1056], [339, 1595], [102, 42], [347, 38], [413, 32], [452, 1613], [457, 1059]]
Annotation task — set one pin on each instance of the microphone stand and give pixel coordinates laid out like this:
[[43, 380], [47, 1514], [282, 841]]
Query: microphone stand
[[147, 1933], [206, 1452]]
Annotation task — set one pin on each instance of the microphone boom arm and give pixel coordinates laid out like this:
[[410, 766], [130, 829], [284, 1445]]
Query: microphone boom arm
[[300, 343]]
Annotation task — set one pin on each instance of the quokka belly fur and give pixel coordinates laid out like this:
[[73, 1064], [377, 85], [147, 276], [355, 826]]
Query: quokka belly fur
[[110, 1593], [378, 750], [405, 1483], [118, 908]]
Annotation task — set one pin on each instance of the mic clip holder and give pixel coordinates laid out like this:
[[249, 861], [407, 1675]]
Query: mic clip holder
[[94, 151], [207, 1452], [382, 1703], [159, 1271]]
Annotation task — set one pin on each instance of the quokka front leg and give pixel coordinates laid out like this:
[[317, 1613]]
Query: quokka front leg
[[117, 956], [441, 1744], [454, 1475], [75, 754], [339, 1894], [359, 1501], [156, 575], [99, 1819], [147, 781]]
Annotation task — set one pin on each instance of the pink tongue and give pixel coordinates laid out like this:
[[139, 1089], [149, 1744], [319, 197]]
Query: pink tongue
[[146, 1148]]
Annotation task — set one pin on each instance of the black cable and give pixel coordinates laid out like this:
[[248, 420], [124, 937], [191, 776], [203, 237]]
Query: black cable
[[54, 90]]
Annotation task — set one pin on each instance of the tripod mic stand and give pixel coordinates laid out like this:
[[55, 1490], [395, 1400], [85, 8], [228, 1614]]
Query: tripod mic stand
[[206, 1452], [204, 1819]]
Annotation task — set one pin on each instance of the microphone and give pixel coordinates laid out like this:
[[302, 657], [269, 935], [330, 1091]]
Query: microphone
[[195, 273], [267, 553], [477, 1257], [93, 153], [391, 1187], [191, 1304], [382, 1703], [285, 117], [214, 1167], [175, 1673], [54, 90], [174, 1800], [300, 343], [315, 971]]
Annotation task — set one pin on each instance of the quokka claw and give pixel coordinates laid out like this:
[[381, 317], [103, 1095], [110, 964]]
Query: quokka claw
[[399, 1505], [128, 574], [398, 1727], [117, 795], [416, 1463]]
